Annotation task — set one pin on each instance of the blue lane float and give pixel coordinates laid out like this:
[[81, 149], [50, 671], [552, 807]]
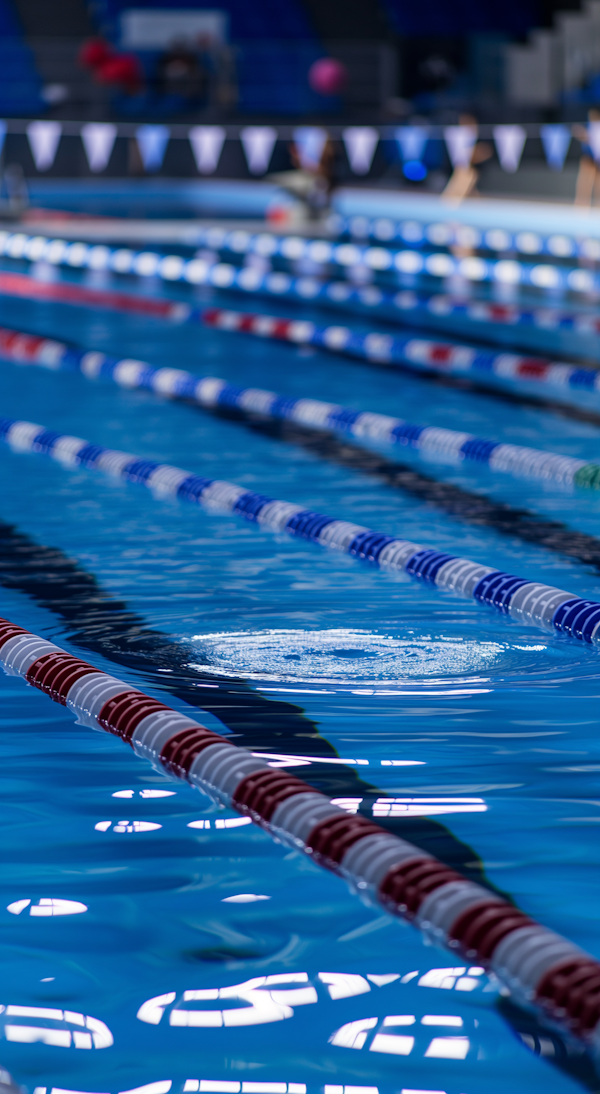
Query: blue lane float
[[412, 261], [421, 233], [530, 602], [387, 260], [212, 392]]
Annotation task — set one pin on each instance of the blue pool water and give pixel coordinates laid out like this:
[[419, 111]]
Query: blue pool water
[[428, 696]]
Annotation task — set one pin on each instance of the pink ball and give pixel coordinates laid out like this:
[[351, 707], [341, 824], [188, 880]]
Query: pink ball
[[327, 76]]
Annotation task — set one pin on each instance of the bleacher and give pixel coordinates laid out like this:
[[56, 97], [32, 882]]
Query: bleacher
[[20, 85], [439, 19], [273, 43]]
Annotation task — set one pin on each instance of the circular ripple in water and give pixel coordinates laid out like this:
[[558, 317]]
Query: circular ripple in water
[[342, 655]]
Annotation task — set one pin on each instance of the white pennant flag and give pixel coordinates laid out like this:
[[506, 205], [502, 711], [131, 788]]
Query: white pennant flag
[[310, 143], [460, 141], [152, 142], [258, 142], [43, 140], [207, 142], [594, 139], [412, 140], [556, 140], [360, 142], [510, 142], [98, 140]]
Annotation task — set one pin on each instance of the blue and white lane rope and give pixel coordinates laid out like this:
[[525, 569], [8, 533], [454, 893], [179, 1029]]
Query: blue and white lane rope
[[211, 392], [528, 601], [408, 351], [442, 306], [419, 233], [505, 271], [385, 260]]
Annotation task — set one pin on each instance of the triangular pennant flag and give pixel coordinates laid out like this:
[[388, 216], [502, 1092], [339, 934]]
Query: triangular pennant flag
[[43, 140], [360, 142], [556, 140], [310, 143], [258, 142], [207, 143], [594, 139], [460, 141], [152, 142], [412, 140], [98, 140], [510, 142]]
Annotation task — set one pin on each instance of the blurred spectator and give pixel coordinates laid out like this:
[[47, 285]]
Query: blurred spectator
[[181, 75], [15, 188], [94, 53], [121, 71], [588, 176], [218, 59], [312, 179], [463, 180]]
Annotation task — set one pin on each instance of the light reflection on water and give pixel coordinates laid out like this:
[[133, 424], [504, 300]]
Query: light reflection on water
[[341, 655]]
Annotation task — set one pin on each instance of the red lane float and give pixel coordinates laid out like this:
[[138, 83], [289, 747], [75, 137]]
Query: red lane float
[[64, 292], [537, 964]]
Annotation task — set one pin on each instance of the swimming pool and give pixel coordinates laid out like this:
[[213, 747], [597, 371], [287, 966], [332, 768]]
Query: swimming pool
[[294, 652]]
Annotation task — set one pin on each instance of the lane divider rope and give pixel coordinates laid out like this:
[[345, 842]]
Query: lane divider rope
[[64, 292], [537, 964], [505, 271], [421, 233], [211, 392], [385, 260], [338, 293], [406, 351], [409, 351], [423, 306], [530, 602]]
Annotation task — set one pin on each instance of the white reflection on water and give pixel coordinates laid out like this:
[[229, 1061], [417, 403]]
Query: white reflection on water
[[212, 1086], [426, 807], [355, 1035], [47, 906], [339, 655], [146, 793], [99, 1035]]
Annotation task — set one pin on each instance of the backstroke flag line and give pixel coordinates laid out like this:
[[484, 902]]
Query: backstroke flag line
[[258, 142], [152, 142], [43, 137], [98, 140], [510, 142], [360, 142], [207, 144]]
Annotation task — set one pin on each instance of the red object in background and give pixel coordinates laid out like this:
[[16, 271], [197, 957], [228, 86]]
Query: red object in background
[[327, 76], [94, 53], [108, 67], [121, 70]]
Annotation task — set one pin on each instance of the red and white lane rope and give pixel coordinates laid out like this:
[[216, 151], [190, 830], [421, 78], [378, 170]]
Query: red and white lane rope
[[537, 964], [65, 292], [210, 391], [406, 350]]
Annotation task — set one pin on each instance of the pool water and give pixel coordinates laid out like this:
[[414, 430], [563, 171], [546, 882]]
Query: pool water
[[478, 732]]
